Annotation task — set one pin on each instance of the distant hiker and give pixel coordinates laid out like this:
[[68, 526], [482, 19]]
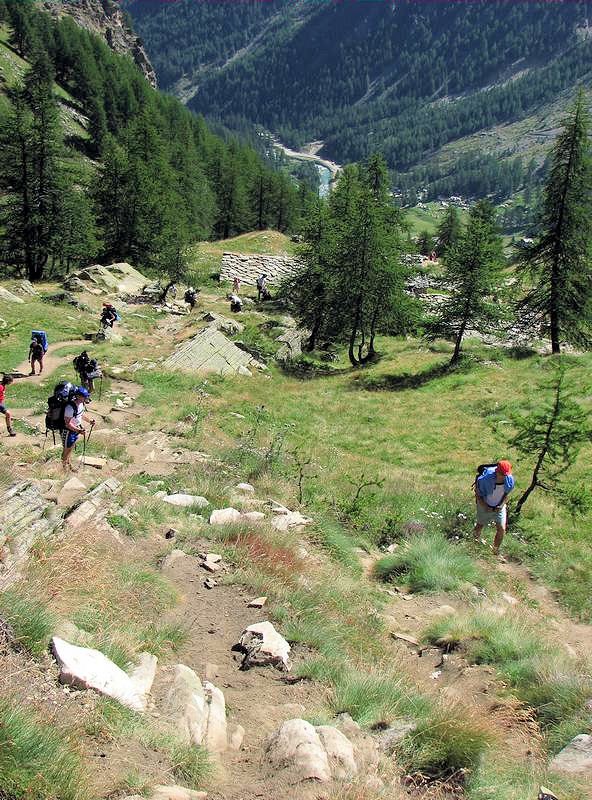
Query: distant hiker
[[36, 353], [74, 416], [236, 285], [492, 487], [173, 290], [236, 304], [6, 381], [262, 287], [108, 315], [87, 369], [190, 297]]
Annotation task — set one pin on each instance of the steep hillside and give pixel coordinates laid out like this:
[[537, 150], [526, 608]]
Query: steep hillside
[[406, 79]]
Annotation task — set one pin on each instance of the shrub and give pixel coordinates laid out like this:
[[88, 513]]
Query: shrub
[[36, 760], [429, 563], [30, 620]]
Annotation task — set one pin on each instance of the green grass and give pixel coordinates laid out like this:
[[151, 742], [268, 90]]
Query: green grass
[[37, 761], [556, 687], [190, 765], [161, 638], [429, 563], [30, 620]]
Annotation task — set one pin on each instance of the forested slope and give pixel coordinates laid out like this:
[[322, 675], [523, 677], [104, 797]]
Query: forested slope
[[405, 79]]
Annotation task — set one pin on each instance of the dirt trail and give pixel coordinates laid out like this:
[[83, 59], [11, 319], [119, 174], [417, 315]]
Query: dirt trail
[[51, 362]]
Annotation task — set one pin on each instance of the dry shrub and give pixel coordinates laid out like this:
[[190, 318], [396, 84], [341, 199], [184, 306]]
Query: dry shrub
[[270, 556]]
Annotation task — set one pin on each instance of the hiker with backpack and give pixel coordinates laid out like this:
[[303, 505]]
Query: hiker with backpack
[[108, 315], [6, 381], [493, 484], [36, 353], [262, 290], [73, 417], [190, 297], [87, 369]]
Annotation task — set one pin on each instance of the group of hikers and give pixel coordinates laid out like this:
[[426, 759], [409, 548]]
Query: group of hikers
[[236, 304]]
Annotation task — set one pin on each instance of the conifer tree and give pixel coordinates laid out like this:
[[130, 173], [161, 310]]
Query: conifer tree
[[473, 271], [553, 434], [558, 264], [448, 231]]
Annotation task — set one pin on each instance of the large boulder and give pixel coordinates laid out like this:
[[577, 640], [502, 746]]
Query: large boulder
[[297, 750], [224, 516], [262, 645], [340, 752], [576, 758], [86, 668]]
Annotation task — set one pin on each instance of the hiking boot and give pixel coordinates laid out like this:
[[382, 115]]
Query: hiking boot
[[11, 432]]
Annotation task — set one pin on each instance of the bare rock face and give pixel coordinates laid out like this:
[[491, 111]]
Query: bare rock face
[[106, 19], [576, 758]]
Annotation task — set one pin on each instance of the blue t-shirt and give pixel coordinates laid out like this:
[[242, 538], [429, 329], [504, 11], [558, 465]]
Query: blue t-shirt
[[486, 483]]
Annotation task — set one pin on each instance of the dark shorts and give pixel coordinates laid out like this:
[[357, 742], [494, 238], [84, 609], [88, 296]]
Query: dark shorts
[[2, 409], [69, 438]]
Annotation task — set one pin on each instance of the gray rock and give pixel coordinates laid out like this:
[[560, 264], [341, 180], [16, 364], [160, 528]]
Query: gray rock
[[388, 739], [186, 500], [263, 645], [576, 758], [296, 749]]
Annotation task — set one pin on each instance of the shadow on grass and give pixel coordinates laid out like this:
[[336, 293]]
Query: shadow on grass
[[408, 380]]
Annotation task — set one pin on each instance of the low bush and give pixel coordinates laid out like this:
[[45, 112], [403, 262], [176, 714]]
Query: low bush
[[429, 563]]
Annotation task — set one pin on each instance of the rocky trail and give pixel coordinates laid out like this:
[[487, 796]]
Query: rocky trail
[[253, 720]]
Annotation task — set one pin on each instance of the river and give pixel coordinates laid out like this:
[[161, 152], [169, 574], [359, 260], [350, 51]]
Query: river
[[328, 170]]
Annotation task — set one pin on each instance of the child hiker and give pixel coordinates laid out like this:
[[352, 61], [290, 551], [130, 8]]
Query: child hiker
[[6, 381]]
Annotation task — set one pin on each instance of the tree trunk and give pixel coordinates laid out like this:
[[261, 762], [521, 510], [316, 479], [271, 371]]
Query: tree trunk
[[458, 343], [534, 482], [314, 334], [353, 334]]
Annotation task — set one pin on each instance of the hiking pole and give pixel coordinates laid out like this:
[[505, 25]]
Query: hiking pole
[[101, 388], [83, 447], [92, 425]]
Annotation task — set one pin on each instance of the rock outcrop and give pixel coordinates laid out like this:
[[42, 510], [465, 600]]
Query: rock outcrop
[[106, 19], [120, 278], [262, 645], [209, 351], [576, 758], [249, 267]]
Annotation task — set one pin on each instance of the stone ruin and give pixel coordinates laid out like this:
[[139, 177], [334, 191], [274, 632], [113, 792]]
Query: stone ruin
[[249, 267]]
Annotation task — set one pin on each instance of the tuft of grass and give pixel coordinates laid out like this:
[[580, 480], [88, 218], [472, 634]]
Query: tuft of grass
[[110, 721], [376, 698], [37, 761], [30, 620], [555, 687], [429, 563], [160, 638], [191, 766]]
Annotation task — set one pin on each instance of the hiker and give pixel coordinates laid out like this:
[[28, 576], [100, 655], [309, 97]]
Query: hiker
[[236, 285], [173, 291], [190, 297], [87, 369], [36, 353], [74, 416], [108, 315], [492, 487], [236, 304], [262, 287], [6, 381]]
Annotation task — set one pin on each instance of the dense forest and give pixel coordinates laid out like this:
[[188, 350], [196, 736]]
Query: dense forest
[[404, 78], [141, 178]]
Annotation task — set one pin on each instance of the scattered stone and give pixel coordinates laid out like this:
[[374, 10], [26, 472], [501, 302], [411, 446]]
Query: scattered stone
[[262, 645], [171, 533], [210, 583], [442, 611], [174, 556], [176, 793], [224, 516], [236, 735], [433, 656], [186, 500], [546, 794], [86, 668], [9, 297], [339, 750], [212, 562], [246, 488], [509, 599], [92, 461], [576, 758], [278, 508], [293, 519], [71, 491], [389, 738], [258, 602], [237, 415], [297, 748], [404, 637], [221, 323], [392, 547], [253, 516], [120, 278], [216, 739]]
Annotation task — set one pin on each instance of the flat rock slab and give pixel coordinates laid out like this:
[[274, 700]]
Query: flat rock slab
[[93, 461], [71, 491], [9, 296], [576, 758], [176, 793], [263, 645], [209, 351], [258, 602], [186, 500], [86, 668]]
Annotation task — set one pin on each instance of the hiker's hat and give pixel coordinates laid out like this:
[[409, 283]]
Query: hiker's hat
[[504, 467], [82, 392]]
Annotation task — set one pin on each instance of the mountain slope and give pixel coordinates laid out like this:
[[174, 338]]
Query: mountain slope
[[405, 79]]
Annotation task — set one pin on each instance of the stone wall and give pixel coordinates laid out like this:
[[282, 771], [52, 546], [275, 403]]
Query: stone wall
[[249, 267]]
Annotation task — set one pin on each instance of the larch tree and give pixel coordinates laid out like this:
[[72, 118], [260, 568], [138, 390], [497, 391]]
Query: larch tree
[[473, 273], [558, 265]]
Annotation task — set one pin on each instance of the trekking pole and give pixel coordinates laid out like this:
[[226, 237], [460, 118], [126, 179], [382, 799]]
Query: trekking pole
[[101, 388], [83, 447], [92, 425]]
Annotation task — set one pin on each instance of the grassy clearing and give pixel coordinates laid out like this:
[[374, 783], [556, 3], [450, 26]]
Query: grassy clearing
[[557, 688], [37, 761], [30, 620], [429, 564]]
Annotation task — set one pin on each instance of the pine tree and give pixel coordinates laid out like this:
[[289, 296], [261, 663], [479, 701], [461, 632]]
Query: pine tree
[[448, 231], [558, 265], [473, 271], [425, 243], [554, 434]]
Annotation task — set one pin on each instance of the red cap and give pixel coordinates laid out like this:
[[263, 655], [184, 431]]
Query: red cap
[[504, 467]]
